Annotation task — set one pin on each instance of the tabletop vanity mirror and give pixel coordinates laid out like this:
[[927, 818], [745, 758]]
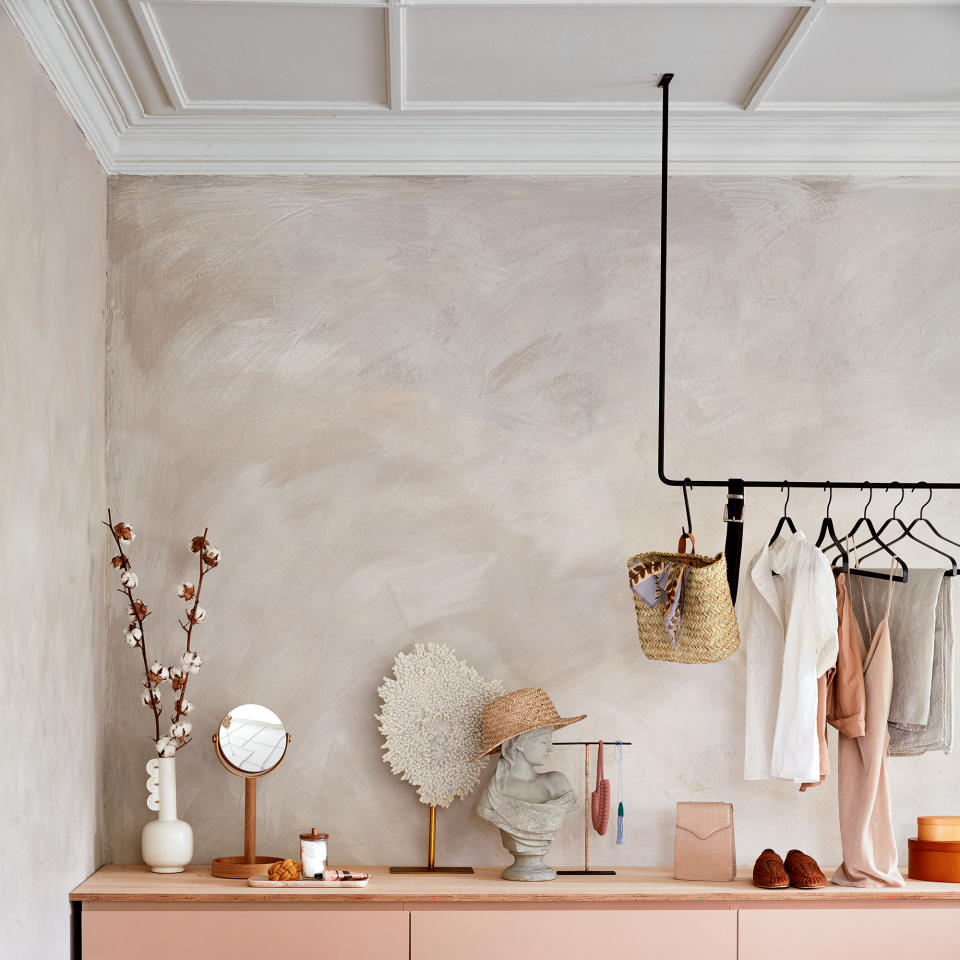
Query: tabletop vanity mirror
[[250, 742]]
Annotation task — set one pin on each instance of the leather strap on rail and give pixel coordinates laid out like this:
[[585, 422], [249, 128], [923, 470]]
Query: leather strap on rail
[[733, 518]]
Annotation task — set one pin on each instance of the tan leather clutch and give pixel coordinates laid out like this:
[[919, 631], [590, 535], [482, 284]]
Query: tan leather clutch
[[704, 848]]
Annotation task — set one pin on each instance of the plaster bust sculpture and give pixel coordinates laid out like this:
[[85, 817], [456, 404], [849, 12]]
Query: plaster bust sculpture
[[527, 807]]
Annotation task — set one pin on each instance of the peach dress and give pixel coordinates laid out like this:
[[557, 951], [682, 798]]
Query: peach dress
[[866, 819]]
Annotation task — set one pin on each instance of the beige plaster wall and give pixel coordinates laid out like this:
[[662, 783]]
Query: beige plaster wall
[[52, 277], [425, 410]]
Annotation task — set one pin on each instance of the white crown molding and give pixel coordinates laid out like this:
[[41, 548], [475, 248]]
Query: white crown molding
[[98, 84], [54, 36], [409, 143]]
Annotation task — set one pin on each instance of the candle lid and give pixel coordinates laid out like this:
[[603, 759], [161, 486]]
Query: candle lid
[[314, 835]]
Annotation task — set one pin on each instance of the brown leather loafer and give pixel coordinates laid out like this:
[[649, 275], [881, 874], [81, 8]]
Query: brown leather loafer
[[805, 873], [769, 872]]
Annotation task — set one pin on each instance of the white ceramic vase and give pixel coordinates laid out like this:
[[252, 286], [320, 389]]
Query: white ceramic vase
[[166, 843]]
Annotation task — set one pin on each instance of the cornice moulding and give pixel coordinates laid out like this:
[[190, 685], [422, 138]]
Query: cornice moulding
[[828, 145], [520, 139]]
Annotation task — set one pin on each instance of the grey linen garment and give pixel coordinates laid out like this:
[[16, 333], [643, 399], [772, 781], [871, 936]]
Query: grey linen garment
[[921, 636]]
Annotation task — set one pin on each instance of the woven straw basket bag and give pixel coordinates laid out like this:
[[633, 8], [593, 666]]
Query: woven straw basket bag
[[709, 630]]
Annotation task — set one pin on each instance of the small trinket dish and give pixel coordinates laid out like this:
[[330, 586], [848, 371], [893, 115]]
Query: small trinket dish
[[349, 880]]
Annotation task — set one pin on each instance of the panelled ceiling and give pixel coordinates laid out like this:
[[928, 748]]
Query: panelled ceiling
[[506, 86]]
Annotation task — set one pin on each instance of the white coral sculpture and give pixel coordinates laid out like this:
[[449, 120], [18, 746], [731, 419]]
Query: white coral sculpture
[[430, 721]]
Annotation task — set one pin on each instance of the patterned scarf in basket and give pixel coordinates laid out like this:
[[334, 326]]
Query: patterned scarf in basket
[[661, 582]]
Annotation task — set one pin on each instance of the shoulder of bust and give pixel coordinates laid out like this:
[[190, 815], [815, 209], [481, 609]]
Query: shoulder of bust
[[558, 781]]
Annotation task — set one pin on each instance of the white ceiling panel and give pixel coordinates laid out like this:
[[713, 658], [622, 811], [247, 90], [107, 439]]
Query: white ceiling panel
[[874, 54], [584, 55], [269, 52], [354, 87]]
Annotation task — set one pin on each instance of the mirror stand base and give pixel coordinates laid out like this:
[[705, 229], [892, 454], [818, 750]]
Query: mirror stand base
[[236, 868]]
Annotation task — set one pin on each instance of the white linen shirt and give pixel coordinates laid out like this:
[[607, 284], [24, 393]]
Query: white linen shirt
[[788, 620]]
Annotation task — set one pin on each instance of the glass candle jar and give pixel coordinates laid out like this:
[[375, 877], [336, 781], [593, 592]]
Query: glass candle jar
[[313, 855]]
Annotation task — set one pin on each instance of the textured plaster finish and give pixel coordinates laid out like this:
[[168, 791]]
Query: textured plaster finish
[[425, 410], [52, 278]]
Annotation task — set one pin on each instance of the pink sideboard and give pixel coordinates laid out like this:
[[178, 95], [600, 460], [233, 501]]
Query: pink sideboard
[[640, 913]]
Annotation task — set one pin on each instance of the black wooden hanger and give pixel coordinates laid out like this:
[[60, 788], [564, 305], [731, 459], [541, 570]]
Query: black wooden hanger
[[784, 519], [874, 536], [827, 530], [923, 519], [907, 532]]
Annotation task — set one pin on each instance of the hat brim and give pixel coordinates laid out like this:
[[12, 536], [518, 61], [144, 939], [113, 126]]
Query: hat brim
[[526, 728]]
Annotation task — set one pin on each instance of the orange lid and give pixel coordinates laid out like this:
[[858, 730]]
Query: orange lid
[[934, 846]]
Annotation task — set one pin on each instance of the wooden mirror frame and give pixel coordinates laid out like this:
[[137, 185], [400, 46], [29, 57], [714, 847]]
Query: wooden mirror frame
[[249, 865]]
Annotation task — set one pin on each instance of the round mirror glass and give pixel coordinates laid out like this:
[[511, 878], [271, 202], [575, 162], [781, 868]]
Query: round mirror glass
[[252, 739]]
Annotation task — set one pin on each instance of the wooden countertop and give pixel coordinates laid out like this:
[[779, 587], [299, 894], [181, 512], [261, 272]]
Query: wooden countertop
[[134, 883]]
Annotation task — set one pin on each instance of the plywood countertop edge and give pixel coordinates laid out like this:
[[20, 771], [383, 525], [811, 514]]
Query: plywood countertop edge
[[634, 885], [861, 896]]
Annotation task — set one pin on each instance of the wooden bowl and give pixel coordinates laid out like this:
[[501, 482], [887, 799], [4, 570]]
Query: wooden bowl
[[236, 868], [934, 860], [938, 829]]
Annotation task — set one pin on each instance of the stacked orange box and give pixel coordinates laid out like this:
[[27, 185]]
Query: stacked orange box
[[934, 854]]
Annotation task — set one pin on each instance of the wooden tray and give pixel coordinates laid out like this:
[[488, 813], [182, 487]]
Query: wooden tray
[[266, 882]]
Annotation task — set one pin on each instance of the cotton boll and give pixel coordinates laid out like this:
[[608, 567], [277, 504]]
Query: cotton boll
[[170, 749], [187, 728], [136, 633], [187, 659], [124, 532], [129, 579], [186, 707], [162, 745], [196, 665], [211, 556], [176, 730], [130, 639], [186, 591], [199, 614]]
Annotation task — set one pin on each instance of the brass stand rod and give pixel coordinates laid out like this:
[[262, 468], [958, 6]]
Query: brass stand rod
[[586, 807], [432, 848]]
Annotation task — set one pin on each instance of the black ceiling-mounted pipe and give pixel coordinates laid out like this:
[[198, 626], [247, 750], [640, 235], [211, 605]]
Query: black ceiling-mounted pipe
[[664, 84]]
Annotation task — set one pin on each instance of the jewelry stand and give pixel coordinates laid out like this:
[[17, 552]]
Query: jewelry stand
[[431, 866], [587, 744]]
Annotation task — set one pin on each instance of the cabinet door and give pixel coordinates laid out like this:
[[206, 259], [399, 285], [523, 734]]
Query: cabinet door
[[215, 932], [574, 934], [875, 934]]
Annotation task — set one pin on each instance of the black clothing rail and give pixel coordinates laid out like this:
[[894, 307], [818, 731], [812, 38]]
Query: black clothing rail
[[664, 84]]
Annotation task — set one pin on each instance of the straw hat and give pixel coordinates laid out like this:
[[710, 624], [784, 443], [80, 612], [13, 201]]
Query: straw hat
[[519, 712]]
